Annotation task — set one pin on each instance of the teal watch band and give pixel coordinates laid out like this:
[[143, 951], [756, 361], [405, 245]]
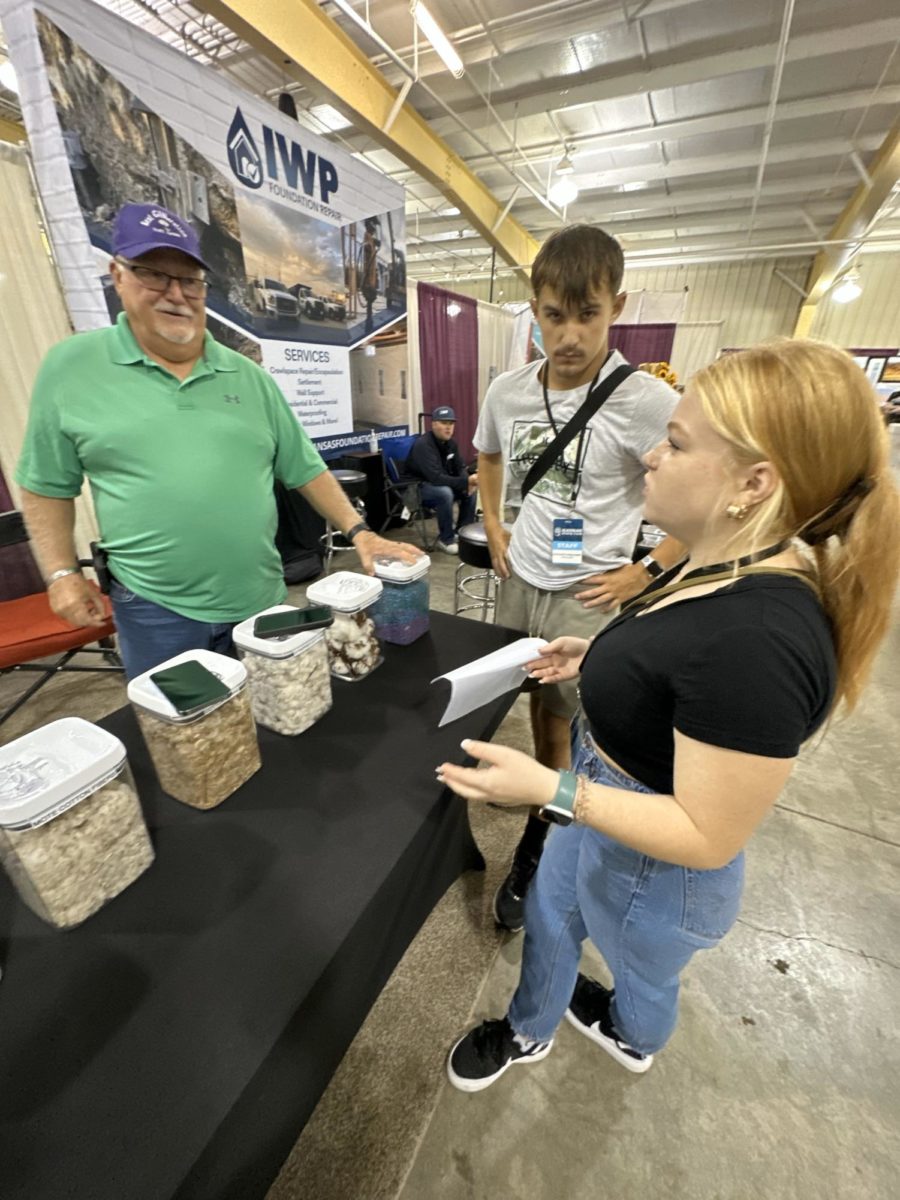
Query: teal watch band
[[561, 809]]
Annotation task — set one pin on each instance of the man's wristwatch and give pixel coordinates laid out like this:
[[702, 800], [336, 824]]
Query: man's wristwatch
[[652, 567], [62, 573], [359, 527], [561, 809]]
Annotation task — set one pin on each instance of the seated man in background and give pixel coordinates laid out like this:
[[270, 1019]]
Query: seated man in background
[[435, 459]]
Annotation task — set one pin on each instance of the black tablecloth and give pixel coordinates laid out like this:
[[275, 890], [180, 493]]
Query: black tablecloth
[[175, 1044]]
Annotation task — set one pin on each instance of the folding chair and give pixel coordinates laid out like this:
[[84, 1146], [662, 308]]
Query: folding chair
[[30, 630], [403, 492]]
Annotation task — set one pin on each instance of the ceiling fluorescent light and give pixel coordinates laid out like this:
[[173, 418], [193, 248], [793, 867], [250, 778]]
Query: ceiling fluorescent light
[[8, 77], [329, 116], [438, 39], [848, 289]]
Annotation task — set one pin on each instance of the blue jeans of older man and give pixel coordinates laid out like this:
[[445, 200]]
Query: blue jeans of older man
[[150, 634]]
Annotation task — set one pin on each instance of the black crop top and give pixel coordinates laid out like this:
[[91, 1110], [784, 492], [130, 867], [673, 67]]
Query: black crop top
[[750, 667]]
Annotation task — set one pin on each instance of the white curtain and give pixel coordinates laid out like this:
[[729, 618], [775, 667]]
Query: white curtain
[[653, 308], [496, 334], [521, 339], [34, 318], [662, 308], [696, 344]]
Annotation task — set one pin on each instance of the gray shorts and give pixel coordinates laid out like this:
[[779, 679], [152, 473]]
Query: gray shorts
[[538, 612]]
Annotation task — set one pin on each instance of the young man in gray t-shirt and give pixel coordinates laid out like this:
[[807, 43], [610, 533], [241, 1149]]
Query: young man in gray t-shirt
[[567, 564]]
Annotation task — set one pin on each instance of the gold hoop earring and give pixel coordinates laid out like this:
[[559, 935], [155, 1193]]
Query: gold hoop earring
[[737, 512]]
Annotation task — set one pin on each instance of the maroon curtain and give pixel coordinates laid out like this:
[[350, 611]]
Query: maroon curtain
[[448, 350], [19, 575], [643, 343]]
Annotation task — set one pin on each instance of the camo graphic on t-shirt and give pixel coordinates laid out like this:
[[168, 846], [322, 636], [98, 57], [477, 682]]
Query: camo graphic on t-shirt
[[562, 481]]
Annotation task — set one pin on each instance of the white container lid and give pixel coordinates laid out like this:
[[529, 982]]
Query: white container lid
[[52, 768], [144, 692], [345, 591], [282, 647], [400, 572]]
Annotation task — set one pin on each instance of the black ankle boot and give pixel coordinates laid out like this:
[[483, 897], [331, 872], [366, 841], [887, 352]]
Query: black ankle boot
[[509, 902]]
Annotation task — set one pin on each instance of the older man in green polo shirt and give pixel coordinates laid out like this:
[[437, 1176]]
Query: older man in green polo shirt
[[181, 439]]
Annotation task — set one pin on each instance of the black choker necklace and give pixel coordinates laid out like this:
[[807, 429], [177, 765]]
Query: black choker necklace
[[745, 561]]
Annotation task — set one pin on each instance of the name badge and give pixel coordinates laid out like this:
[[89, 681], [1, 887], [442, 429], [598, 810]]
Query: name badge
[[568, 541]]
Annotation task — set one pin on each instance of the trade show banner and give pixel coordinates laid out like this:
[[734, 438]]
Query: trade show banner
[[306, 244]]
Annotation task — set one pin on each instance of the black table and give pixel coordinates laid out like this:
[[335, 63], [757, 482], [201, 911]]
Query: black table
[[173, 1046]]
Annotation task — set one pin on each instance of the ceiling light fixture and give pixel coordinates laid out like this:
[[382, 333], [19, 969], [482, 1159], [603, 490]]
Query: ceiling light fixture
[[849, 288], [438, 38], [564, 190], [328, 115], [8, 77], [453, 309]]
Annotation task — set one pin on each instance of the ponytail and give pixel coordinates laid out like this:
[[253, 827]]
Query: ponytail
[[858, 571], [807, 408]]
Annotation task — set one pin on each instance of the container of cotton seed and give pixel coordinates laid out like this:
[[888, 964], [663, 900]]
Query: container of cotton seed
[[289, 677], [201, 754], [72, 835], [354, 650], [401, 611]]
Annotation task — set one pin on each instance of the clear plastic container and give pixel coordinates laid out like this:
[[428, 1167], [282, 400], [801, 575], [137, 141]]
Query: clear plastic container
[[289, 677], [401, 612], [201, 757], [354, 650], [72, 834]]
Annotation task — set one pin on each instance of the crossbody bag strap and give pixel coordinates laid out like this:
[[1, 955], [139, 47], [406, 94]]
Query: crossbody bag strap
[[592, 404]]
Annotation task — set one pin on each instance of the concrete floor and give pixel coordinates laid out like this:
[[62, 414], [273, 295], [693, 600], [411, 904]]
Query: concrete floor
[[781, 1080]]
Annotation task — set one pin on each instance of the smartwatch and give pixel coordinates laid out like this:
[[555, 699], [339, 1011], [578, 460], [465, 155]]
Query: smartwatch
[[652, 567], [561, 809], [359, 527]]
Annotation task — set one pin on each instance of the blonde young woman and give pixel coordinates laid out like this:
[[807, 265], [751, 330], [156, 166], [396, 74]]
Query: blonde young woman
[[696, 700]]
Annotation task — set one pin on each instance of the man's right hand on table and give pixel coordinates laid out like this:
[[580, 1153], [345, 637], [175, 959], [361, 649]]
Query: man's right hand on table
[[74, 600]]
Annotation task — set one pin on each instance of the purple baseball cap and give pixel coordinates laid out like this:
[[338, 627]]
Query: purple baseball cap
[[140, 228]]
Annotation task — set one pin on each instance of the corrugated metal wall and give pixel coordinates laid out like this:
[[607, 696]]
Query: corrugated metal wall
[[873, 320], [753, 303], [749, 298]]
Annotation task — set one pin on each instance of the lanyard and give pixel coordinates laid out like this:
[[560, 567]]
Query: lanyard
[[544, 372]]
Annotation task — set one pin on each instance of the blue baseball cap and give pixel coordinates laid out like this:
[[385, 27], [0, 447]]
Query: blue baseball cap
[[140, 228], [443, 413]]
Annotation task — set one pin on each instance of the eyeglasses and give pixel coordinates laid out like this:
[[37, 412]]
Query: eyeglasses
[[192, 286]]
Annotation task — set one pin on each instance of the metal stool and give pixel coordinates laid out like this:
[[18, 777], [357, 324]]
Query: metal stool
[[355, 485], [474, 552]]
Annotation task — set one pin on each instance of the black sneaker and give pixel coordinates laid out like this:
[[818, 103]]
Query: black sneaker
[[509, 901], [588, 1011], [485, 1053]]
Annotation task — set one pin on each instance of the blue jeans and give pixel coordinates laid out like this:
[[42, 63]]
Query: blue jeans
[[646, 917], [441, 500], [149, 634]]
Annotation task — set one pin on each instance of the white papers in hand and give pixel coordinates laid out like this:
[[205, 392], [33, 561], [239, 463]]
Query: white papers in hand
[[487, 678]]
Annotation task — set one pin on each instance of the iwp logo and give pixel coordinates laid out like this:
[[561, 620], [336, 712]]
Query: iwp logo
[[243, 156], [282, 161]]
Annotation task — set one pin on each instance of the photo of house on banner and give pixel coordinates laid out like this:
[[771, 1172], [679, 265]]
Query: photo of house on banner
[[121, 152], [317, 282]]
